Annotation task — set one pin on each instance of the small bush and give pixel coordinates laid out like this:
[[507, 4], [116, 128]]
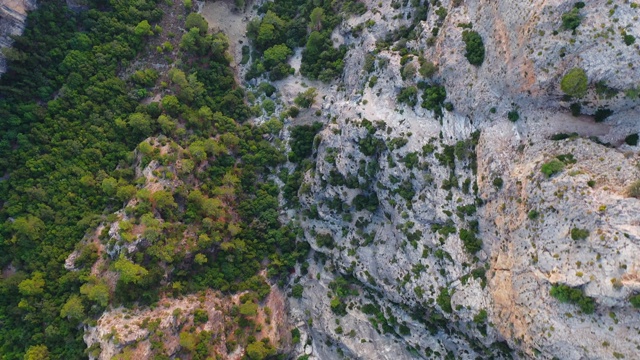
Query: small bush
[[575, 83], [629, 39], [575, 109], [409, 96], [579, 234], [635, 301], [295, 335], [297, 290], [563, 136], [631, 140], [533, 214], [552, 167], [427, 69], [200, 317], [471, 243], [444, 300], [306, 99], [498, 182], [293, 111], [634, 189], [602, 114], [513, 115], [571, 19]]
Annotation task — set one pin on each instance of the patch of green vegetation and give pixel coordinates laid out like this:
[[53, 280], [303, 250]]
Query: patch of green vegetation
[[297, 291], [567, 294], [579, 234], [602, 114], [563, 136], [408, 95], [571, 19], [433, 97], [575, 83], [444, 300], [471, 243], [474, 47], [302, 141], [552, 167], [631, 139], [629, 39]]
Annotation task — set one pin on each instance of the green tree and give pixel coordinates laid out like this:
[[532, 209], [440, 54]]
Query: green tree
[[297, 290], [314, 46], [28, 228], [317, 15], [37, 352], [73, 308], [249, 308], [200, 259], [143, 28], [571, 19], [167, 125], [140, 123], [191, 40], [474, 47], [97, 291], [575, 83], [307, 98], [427, 69], [129, 272], [188, 340], [171, 105], [164, 200], [33, 286], [259, 351], [409, 96], [126, 192], [195, 20], [444, 300], [109, 186], [275, 55]]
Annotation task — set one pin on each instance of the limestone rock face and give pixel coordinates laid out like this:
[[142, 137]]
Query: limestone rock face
[[436, 178], [13, 15]]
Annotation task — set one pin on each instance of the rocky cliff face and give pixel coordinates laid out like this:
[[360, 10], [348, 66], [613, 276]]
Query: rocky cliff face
[[437, 180], [13, 15]]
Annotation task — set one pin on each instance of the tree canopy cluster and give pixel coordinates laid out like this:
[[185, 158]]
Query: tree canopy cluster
[[474, 47], [289, 24]]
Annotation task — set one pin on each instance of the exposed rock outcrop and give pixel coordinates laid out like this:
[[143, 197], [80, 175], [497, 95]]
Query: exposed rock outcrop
[[402, 252], [13, 16]]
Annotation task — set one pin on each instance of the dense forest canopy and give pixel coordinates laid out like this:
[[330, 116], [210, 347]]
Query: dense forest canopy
[[75, 134]]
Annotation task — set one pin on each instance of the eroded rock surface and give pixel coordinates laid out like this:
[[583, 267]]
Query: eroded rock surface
[[13, 15]]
